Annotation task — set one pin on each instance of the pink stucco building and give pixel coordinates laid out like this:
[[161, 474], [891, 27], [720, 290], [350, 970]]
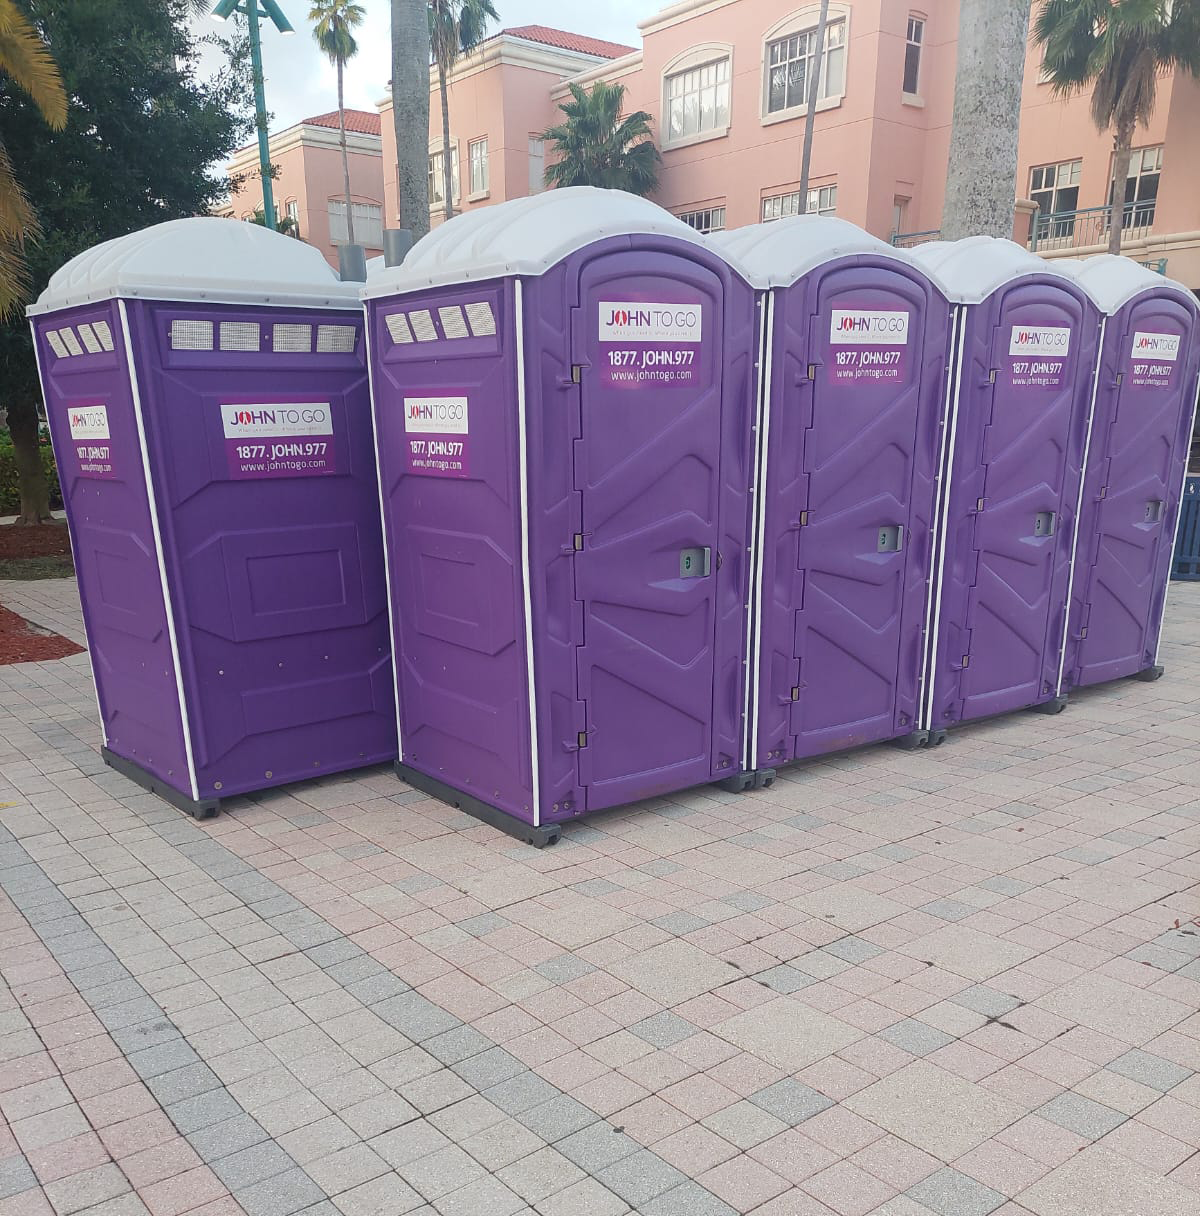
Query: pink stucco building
[[725, 82], [310, 186]]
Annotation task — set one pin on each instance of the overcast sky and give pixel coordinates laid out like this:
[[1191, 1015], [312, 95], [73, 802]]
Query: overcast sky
[[301, 82]]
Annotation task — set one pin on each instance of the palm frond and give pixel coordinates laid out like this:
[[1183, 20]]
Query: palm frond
[[26, 59], [18, 224]]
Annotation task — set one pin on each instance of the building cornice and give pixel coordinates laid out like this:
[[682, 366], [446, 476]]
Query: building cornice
[[308, 136], [507, 51], [673, 14], [610, 69]]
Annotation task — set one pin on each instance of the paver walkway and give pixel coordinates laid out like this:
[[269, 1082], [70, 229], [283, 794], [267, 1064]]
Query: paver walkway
[[956, 982]]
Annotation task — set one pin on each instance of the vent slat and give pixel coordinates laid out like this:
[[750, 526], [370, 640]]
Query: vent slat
[[336, 339], [422, 323], [89, 339], [454, 324], [72, 342], [104, 333], [191, 335], [292, 338], [56, 344], [483, 321], [240, 335], [397, 324]]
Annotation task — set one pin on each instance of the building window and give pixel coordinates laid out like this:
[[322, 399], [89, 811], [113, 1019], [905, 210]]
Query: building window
[[293, 213], [436, 161], [477, 159], [537, 164], [368, 223], [1141, 187], [790, 63], [822, 200], [705, 219], [698, 101], [1055, 189], [912, 55]]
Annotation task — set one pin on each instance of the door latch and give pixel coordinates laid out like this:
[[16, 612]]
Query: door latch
[[1154, 510], [1043, 523], [891, 539], [695, 562]]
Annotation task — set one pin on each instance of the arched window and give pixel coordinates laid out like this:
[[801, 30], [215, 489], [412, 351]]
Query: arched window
[[696, 95], [790, 58]]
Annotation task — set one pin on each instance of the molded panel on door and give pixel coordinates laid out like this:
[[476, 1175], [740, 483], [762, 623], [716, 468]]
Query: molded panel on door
[[648, 469], [1139, 444]]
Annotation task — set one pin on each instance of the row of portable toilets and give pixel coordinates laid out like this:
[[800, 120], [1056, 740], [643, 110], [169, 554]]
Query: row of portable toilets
[[589, 508]]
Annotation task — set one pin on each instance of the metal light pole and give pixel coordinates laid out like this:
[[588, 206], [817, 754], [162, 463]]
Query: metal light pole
[[254, 9]]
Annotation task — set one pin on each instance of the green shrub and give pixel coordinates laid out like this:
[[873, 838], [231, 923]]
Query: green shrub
[[10, 496]]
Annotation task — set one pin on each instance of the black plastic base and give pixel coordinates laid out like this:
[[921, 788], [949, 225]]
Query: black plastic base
[[937, 736], [493, 816], [1054, 706], [912, 741], [1150, 674], [203, 808], [756, 779]]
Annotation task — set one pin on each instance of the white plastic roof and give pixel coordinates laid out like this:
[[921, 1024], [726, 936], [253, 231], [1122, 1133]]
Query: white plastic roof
[[524, 236], [1113, 281], [205, 258], [777, 253], [971, 269]]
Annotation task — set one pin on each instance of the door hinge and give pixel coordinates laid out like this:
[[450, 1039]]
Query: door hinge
[[980, 504], [581, 739], [577, 541], [796, 693], [576, 373], [992, 376]]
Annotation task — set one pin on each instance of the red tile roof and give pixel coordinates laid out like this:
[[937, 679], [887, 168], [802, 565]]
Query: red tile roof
[[565, 40], [361, 121]]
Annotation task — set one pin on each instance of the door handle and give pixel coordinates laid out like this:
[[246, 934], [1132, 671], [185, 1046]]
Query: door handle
[[1043, 523], [695, 562], [1154, 510]]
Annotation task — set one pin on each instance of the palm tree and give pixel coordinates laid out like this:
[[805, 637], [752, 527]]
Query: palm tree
[[334, 21], [980, 184], [596, 146], [283, 224], [1119, 48], [456, 27], [25, 59], [410, 111]]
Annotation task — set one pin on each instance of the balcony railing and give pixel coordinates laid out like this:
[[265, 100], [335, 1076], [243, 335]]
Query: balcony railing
[[910, 240], [1087, 226], [1158, 265]]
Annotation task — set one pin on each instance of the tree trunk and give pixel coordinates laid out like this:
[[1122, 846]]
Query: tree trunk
[[345, 158], [981, 181], [814, 95], [447, 163], [31, 477], [1121, 157], [410, 111]]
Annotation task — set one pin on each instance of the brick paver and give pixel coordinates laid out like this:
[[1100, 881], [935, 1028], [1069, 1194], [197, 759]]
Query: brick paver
[[961, 981]]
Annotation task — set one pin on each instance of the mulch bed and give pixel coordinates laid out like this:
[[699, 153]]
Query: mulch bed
[[21, 641], [44, 540], [40, 552]]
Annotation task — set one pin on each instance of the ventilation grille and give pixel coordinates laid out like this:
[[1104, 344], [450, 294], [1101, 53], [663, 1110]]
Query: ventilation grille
[[479, 322], [104, 334], [336, 339], [454, 324], [422, 323], [397, 324], [56, 344], [483, 323], [292, 338], [239, 335], [191, 335], [68, 336], [89, 339]]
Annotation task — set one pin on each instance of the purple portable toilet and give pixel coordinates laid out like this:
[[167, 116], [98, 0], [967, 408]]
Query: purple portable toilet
[[563, 389], [1136, 462], [206, 386], [1026, 337], [853, 385]]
